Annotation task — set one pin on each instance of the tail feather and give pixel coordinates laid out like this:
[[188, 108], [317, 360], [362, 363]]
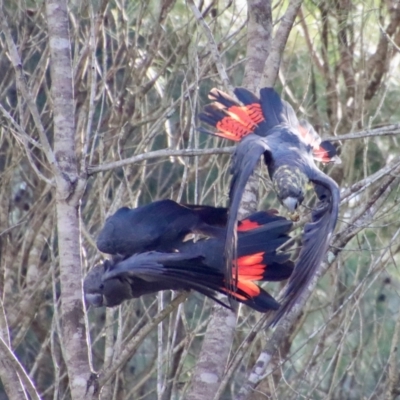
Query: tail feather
[[222, 98], [264, 270], [258, 219], [326, 153], [228, 127], [245, 96], [265, 266], [182, 271], [249, 114], [246, 292], [309, 134], [257, 257], [268, 238], [232, 120], [254, 296], [276, 111]]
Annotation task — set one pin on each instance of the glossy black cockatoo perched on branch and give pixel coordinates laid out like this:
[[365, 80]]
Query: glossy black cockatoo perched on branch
[[268, 127], [151, 254]]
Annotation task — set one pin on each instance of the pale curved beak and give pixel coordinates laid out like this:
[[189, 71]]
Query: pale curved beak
[[94, 299], [290, 203]]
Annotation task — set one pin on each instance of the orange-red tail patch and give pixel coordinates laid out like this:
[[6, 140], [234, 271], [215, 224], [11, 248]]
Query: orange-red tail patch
[[250, 267], [247, 225]]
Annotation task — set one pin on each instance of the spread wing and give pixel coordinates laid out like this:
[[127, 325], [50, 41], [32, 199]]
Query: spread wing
[[232, 120], [316, 239], [184, 271], [244, 161]]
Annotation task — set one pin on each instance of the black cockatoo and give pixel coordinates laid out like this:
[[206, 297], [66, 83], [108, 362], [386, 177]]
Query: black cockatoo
[[197, 265], [268, 127], [157, 226]]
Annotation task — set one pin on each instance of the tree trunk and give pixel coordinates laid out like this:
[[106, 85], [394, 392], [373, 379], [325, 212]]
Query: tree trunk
[[69, 189]]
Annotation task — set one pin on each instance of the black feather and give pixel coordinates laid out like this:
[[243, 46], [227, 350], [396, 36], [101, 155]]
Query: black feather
[[160, 225], [316, 239]]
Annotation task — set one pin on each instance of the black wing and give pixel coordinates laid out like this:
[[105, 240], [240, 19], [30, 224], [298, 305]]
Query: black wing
[[184, 271], [176, 271], [316, 239], [157, 226], [245, 158]]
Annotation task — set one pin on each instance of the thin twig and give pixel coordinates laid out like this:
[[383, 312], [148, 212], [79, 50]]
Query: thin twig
[[7, 353], [132, 346], [359, 222], [390, 130], [159, 154], [23, 87], [212, 45]]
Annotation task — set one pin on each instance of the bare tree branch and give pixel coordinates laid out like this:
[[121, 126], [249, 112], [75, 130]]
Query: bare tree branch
[[8, 356], [390, 130], [212, 45], [22, 85], [69, 191], [279, 42], [132, 346], [259, 37], [8, 374], [159, 154]]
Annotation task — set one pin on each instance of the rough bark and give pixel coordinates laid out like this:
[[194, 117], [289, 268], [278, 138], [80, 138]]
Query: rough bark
[[259, 35], [279, 42], [69, 189], [215, 350], [212, 361]]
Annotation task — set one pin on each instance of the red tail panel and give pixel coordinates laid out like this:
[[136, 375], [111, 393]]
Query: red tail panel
[[232, 129], [240, 121], [321, 155], [326, 153], [245, 290], [253, 296], [232, 120], [251, 259], [309, 135], [249, 287], [250, 267], [257, 219], [247, 225]]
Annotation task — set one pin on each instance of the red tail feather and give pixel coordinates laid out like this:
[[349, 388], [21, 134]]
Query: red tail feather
[[257, 219], [247, 225], [253, 296], [326, 153], [249, 287], [232, 120]]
